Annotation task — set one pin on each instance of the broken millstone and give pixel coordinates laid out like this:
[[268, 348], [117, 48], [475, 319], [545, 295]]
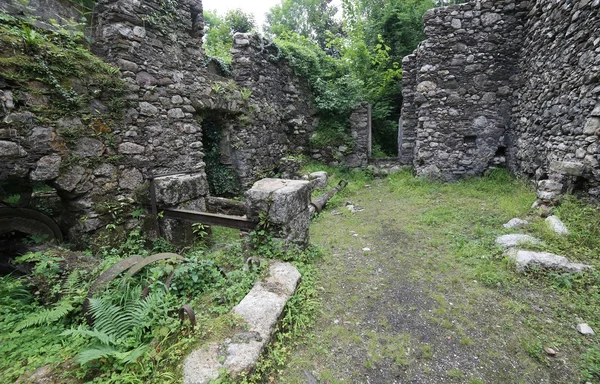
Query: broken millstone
[[585, 329], [508, 241], [557, 225], [515, 223], [529, 259]]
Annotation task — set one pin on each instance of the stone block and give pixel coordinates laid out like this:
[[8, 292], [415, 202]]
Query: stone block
[[318, 179], [47, 168], [281, 199], [176, 189], [567, 168]]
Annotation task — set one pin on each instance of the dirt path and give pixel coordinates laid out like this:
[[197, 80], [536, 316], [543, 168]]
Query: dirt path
[[413, 309]]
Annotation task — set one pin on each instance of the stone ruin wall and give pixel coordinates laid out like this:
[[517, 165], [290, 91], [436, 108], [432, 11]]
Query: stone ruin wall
[[170, 89], [505, 83], [459, 85], [281, 117], [556, 108]]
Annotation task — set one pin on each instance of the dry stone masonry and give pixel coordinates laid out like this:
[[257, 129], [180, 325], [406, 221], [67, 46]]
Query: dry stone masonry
[[262, 112], [508, 83]]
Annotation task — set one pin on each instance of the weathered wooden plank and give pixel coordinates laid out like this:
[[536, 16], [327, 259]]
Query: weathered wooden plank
[[238, 222]]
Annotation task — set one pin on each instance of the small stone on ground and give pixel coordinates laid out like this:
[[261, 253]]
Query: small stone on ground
[[515, 223], [557, 225], [585, 329]]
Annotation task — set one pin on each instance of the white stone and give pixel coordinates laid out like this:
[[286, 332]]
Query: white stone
[[529, 259], [557, 225], [591, 125], [515, 223], [585, 329], [513, 240], [426, 86], [318, 179], [10, 149], [456, 23], [176, 113]]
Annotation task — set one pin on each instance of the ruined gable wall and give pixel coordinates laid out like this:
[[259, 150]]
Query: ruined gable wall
[[461, 79], [280, 116], [556, 111]]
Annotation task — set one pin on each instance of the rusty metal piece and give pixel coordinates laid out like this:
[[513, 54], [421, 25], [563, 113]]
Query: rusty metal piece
[[186, 309], [320, 202], [238, 222], [154, 207], [29, 221], [151, 259], [106, 277]]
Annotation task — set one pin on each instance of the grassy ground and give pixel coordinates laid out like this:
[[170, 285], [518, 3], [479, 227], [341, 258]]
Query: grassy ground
[[433, 300]]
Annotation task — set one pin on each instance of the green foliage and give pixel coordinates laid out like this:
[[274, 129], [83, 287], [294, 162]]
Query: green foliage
[[331, 131], [121, 330], [359, 61], [46, 315], [311, 19], [591, 364], [49, 63], [220, 30], [222, 179]]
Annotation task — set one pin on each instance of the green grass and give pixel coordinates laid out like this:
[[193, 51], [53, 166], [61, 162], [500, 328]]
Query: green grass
[[440, 238]]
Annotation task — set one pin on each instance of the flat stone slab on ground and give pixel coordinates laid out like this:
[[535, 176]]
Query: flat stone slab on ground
[[513, 240], [529, 259], [515, 223], [261, 309], [585, 329], [557, 225]]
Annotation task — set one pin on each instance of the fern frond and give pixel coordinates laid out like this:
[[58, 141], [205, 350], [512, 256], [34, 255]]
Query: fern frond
[[102, 337], [46, 316], [96, 353], [131, 356]]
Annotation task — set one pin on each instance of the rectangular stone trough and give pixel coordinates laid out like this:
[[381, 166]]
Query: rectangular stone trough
[[261, 309]]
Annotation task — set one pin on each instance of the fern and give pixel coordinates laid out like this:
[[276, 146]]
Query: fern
[[100, 352], [118, 329], [46, 316], [12, 292]]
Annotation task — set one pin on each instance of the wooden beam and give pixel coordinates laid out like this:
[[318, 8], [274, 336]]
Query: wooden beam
[[238, 222]]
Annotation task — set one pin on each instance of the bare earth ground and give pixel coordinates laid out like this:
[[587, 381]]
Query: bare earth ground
[[433, 300]]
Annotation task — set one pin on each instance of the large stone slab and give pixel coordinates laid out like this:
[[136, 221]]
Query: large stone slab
[[545, 260], [261, 309], [513, 240]]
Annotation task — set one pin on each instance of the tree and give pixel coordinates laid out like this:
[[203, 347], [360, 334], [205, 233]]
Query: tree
[[220, 30], [313, 19]]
